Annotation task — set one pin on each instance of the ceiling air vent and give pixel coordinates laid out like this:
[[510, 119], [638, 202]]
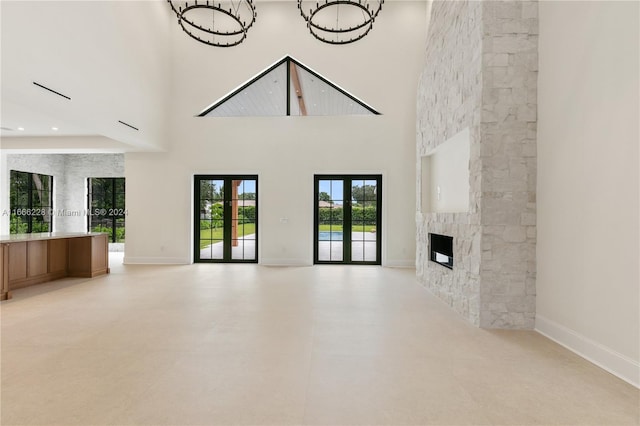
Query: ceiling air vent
[[128, 125], [51, 90]]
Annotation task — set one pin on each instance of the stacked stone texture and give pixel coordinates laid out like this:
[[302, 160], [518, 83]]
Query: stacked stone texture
[[481, 73], [70, 173], [449, 100]]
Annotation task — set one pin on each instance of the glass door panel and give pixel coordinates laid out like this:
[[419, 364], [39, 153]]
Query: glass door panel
[[226, 219], [212, 221], [347, 215], [364, 220], [243, 226], [330, 207]]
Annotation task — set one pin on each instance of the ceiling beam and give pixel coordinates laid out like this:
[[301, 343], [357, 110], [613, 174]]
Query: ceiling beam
[[297, 87]]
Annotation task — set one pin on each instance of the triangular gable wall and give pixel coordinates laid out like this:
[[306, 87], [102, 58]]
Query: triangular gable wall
[[287, 88]]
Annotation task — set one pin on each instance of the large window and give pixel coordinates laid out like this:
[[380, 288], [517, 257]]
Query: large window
[[30, 202], [106, 207]]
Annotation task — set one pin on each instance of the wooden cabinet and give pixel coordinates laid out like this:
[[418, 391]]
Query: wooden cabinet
[[58, 257], [17, 253], [4, 272], [35, 259], [88, 257]]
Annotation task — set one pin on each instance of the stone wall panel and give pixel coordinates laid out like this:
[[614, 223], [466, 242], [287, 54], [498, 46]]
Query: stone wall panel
[[481, 74]]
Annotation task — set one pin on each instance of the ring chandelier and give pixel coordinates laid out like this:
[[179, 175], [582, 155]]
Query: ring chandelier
[[225, 23]]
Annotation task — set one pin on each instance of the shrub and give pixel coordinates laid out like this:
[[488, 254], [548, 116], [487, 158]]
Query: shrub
[[359, 215], [368, 215], [328, 214]]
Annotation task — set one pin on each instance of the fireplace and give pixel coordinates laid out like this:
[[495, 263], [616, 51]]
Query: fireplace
[[441, 250]]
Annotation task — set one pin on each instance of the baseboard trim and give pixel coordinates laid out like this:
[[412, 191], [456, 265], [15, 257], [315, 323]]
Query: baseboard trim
[[155, 261], [284, 262], [602, 356], [400, 263]]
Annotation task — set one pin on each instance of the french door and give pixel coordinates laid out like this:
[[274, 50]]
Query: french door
[[347, 219], [226, 218]]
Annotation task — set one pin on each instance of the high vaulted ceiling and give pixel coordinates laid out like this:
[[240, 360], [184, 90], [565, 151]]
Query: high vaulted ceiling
[[115, 61]]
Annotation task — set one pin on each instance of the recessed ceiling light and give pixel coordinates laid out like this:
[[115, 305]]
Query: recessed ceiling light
[[21, 128], [54, 129]]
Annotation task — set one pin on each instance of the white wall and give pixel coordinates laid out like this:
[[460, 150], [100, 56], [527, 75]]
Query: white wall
[[382, 70], [445, 174], [588, 185]]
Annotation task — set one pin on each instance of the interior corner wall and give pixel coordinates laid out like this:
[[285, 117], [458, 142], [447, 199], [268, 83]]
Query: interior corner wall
[[588, 183]]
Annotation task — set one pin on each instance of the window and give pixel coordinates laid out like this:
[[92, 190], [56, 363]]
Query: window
[[106, 207], [31, 205], [288, 88]]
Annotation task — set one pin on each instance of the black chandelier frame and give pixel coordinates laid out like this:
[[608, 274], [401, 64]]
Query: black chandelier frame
[[339, 33], [332, 34], [189, 26]]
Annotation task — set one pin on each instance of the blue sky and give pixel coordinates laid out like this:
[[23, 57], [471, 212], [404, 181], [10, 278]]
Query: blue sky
[[247, 186], [333, 188]]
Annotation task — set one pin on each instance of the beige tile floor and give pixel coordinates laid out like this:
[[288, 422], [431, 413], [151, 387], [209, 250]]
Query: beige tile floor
[[246, 344]]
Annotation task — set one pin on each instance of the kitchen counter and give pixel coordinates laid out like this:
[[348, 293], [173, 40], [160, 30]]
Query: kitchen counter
[[29, 259]]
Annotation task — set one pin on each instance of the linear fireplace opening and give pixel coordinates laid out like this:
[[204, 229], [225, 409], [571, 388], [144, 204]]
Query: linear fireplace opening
[[441, 249]]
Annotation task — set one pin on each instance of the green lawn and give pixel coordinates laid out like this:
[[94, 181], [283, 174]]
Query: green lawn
[[250, 228], [354, 228], [216, 233]]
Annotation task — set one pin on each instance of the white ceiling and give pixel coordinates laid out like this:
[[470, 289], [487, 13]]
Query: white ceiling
[[112, 58]]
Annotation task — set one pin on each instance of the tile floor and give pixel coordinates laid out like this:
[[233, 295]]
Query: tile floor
[[246, 344]]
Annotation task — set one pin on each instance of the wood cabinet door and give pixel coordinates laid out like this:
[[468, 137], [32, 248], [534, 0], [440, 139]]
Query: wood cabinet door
[[58, 256], [37, 259], [17, 261]]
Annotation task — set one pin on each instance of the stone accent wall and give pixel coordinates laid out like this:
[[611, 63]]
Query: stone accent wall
[[80, 167], [70, 173], [450, 100], [481, 73], [508, 153]]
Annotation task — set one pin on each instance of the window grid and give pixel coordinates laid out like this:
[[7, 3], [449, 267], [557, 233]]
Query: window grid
[[31, 202], [226, 218], [106, 207]]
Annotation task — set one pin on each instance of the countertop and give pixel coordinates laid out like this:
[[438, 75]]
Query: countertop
[[16, 238]]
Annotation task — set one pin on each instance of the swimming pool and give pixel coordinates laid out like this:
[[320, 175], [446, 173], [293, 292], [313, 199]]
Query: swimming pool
[[330, 236]]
